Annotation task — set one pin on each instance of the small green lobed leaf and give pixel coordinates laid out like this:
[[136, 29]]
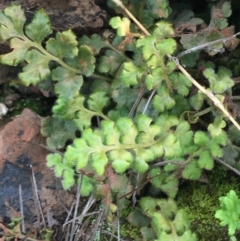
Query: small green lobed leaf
[[65, 45], [163, 100], [181, 83], [121, 155], [67, 108], [58, 131], [122, 25], [68, 179], [148, 46], [97, 101], [140, 165], [40, 27], [93, 138], [163, 30], [110, 132], [167, 121], [17, 16], [205, 160], [84, 61], [201, 138], [78, 153], [216, 143], [54, 159], [110, 62], [155, 78], [95, 43], [196, 101], [172, 147], [120, 166], [87, 186], [130, 74], [229, 212], [128, 130], [99, 162], [68, 83], [192, 171], [166, 46], [216, 127], [17, 56], [37, 68], [221, 81]]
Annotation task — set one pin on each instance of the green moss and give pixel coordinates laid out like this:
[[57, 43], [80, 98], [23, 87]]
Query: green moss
[[127, 230], [201, 200]]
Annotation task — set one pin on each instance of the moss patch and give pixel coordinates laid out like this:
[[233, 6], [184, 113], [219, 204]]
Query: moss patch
[[201, 200]]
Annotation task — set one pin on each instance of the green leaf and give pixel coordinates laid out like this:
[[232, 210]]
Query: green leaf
[[111, 133], [40, 27], [163, 30], [205, 160], [78, 153], [84, 61], [172, 147], [148, 47], [229, 212], [181, 83], [166, 46], [97, 101], [221, 81], [99, 162], [17, 17], [122, 25], [130, 73], [120, 165], [140, 165], [18, 53], [155, 78], [110, 62], [215, 129], [57, 131], [65, 45], [162, 100], [127, 130], [68, 179], [147, 132], [67, 108], [201, 138], [37, 68], [192, 171], [215, 143], [68, 83], [55, 160], [87, 186], [196, 101], [95, 43]]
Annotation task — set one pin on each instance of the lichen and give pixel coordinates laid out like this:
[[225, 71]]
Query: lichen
[[201, 200]]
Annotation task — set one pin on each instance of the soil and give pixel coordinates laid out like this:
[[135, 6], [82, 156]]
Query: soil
[[21, 158]]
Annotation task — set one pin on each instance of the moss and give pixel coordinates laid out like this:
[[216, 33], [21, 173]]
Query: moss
[[201, 200], [127, 230]]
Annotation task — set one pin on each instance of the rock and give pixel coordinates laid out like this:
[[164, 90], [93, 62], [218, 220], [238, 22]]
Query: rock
[[20, 148], [65, 14]]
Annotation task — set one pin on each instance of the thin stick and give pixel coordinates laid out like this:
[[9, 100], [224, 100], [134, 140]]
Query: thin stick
[[37, 197], [21, 209], [203, 46], [149, 100], [76, 208], [227, 165]]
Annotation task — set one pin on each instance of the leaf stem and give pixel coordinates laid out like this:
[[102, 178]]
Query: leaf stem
[[204, 112]]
